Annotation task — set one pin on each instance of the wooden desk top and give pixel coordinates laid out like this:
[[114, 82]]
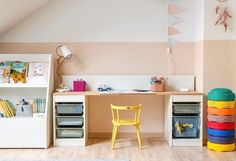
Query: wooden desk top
[[112, 93]]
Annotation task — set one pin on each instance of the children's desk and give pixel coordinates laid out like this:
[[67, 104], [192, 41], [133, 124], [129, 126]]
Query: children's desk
[[169, 98]]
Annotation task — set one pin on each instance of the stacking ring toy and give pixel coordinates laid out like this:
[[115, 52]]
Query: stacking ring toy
[[221, 104], [220, 133], [221, 112], [221, 94], [220, 147], [220, 119], [221, 126], [220, 140]]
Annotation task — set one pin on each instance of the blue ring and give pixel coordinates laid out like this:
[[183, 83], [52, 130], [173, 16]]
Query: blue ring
[[220, 133], [220, 140]]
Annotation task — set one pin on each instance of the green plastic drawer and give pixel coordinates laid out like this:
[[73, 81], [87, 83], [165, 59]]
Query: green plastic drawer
[[69, 121], [70, 133]]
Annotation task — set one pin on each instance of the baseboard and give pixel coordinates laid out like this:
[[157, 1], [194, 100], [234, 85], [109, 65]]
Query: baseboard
[[126, 135]]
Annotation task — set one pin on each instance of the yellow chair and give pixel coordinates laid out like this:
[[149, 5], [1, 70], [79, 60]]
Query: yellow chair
[[117, 121]]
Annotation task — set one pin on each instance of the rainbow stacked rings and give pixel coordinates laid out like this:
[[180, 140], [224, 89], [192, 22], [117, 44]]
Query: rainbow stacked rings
[[221, 110]]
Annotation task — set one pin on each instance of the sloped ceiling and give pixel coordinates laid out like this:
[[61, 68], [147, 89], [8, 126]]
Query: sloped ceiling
[[14, 11]]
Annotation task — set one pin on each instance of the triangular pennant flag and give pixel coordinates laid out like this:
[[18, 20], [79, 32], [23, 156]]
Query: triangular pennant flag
[[173, 20], [172, 31], [174, 9], [172, 42]]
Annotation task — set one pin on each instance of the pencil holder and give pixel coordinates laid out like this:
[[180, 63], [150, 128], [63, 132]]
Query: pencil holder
[[156, 87]]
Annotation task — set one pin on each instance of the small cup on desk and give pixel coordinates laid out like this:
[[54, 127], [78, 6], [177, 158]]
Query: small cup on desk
[[158, 87]]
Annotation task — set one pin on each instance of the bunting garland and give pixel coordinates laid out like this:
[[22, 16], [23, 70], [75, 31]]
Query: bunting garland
[[173, 19]]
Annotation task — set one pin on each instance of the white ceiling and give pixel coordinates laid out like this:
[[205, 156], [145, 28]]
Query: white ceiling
[[14, 11]]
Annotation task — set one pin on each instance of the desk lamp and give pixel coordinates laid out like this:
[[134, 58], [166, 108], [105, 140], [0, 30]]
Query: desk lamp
[[64, 54]]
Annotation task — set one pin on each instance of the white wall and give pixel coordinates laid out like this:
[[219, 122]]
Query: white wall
[[199, 20], [103, 21], [14, 11]]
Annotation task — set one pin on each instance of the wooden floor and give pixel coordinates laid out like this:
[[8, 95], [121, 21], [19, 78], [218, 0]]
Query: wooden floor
[[154, 149]]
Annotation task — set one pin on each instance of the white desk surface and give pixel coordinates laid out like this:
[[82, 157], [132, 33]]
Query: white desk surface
[[95, 93]]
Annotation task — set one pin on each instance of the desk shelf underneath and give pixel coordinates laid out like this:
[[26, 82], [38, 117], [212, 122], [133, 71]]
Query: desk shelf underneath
[[74, 107]]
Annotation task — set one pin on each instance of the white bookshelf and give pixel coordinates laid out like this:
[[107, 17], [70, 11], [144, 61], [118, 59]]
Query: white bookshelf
[[27, 132]]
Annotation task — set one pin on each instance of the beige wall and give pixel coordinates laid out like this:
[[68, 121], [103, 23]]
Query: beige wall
[[219, 64], [218, 68]]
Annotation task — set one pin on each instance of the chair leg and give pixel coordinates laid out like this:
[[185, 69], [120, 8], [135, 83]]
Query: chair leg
[[139, 137], [114, 137]]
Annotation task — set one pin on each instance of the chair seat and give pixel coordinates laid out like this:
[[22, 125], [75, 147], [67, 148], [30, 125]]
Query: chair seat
[[125, 122]]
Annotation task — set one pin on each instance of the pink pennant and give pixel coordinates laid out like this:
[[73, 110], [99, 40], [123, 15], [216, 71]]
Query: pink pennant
[[172, 31], [174, 9]]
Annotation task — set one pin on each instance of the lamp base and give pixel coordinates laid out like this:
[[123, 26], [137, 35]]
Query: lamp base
[[63, 88]]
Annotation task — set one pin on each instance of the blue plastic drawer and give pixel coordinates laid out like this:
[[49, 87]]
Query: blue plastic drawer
[[185, 126], [70, 109]]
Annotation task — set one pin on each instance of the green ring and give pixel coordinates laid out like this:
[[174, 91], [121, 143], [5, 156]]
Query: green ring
[[221, 94]]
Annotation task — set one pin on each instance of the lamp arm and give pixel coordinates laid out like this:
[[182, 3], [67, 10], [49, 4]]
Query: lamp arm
[[59, 64], [57, 50]]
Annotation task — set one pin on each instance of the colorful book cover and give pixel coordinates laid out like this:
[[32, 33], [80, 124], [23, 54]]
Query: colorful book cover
[[18, 71], [4, 73]]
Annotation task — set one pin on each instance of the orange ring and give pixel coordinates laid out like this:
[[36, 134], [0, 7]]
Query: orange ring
[[221, 112]]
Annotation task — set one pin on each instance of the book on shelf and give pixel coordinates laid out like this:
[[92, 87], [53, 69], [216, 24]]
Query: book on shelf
[[6, 109], [38, 73], [39, 105], [4, 74], [18, 71], [24, 72]]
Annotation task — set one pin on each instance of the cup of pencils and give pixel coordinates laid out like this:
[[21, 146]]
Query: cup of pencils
[[157, 84]]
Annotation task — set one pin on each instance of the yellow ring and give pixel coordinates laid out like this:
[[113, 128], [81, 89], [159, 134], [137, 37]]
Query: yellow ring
[[220, 147], [221, 104]]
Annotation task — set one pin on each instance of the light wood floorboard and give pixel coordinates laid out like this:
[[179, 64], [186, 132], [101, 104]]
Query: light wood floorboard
[[154, 149]]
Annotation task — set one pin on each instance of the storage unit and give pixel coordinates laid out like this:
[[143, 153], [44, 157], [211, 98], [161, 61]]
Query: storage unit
[[183, 117], [70, 120], [27, 132]]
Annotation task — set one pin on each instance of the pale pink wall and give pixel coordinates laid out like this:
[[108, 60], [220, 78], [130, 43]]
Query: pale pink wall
[[115, 58]]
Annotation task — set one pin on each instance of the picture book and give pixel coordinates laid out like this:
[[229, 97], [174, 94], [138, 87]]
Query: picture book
[[38, 73], [18, 71], [4, 74]]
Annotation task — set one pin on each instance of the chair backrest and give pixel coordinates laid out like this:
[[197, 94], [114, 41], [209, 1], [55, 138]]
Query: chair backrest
[[116, 111]]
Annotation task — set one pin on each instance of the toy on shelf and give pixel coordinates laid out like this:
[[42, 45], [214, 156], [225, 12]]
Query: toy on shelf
[[103, 88], [24, 109]]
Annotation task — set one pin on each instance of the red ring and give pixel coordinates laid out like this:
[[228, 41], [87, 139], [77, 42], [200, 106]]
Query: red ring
[[221, 126]]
